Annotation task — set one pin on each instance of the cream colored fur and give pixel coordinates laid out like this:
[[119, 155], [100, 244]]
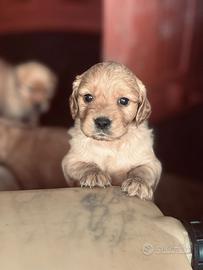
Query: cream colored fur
[[25, 91], [126, 156]]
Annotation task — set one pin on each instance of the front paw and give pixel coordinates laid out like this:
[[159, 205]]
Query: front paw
[[95, 179], [137, 187]]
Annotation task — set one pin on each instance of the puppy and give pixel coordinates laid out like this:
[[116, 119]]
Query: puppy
[[111, 143], [25, 91], [30, 157]]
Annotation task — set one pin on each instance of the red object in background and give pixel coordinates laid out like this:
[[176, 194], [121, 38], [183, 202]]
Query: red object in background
[[50, 15], [154, 39]]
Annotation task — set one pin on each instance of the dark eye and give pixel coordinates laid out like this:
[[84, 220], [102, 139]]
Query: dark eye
[[123, 101], [30, 88], [88, 98]]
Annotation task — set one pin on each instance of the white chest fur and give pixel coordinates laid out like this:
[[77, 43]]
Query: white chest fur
[[133, 149]]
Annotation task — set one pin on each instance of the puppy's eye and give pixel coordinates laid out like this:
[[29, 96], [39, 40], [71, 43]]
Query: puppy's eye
[[30, 88], [88, 98], [123, 101]]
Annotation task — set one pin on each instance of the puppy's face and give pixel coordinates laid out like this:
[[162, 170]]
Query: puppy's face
[[107, 99], [36, 85]]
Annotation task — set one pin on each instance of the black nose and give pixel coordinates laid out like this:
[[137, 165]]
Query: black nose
[[37, 106], [102, 123]]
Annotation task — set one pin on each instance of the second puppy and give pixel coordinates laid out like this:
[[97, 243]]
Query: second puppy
[[26, 91], [111, 142]]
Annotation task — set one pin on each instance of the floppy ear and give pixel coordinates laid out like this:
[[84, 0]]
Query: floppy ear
[[73, 100], [144, 107], [54, 80]]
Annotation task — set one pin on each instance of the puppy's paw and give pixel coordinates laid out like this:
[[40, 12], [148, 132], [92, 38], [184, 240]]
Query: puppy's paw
[[95, 179], [137, 187]]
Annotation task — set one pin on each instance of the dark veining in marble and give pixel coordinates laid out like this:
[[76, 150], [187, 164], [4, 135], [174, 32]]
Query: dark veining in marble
[[99, 206]]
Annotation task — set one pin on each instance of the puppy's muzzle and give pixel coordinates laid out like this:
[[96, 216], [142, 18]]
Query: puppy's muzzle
[[102, 123], [37, 107]]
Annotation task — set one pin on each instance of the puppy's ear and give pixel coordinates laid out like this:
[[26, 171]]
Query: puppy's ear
[[54, 80], [20, 74], [74, 96], [144, 107]]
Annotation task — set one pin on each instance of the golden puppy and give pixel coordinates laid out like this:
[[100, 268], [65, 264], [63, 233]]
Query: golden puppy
[[111, 142], [25, 91]]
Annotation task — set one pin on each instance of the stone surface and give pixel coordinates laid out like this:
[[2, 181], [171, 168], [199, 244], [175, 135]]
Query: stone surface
[[87, 229]]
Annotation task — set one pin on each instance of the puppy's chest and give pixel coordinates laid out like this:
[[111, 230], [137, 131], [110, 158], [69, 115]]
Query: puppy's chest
[[113, 159]]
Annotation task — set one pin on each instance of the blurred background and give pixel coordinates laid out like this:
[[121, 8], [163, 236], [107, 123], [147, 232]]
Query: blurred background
[[160, 40]]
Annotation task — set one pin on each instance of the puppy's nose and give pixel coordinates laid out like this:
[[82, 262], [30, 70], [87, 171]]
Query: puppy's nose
[[37, 106], [102, 123]]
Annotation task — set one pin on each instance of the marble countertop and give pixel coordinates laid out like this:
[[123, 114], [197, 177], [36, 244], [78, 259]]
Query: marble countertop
[[87, 229]]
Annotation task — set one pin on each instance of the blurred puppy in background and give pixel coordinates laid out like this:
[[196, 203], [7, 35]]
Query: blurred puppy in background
[[26, 91], [30, 156], [111, 142]]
